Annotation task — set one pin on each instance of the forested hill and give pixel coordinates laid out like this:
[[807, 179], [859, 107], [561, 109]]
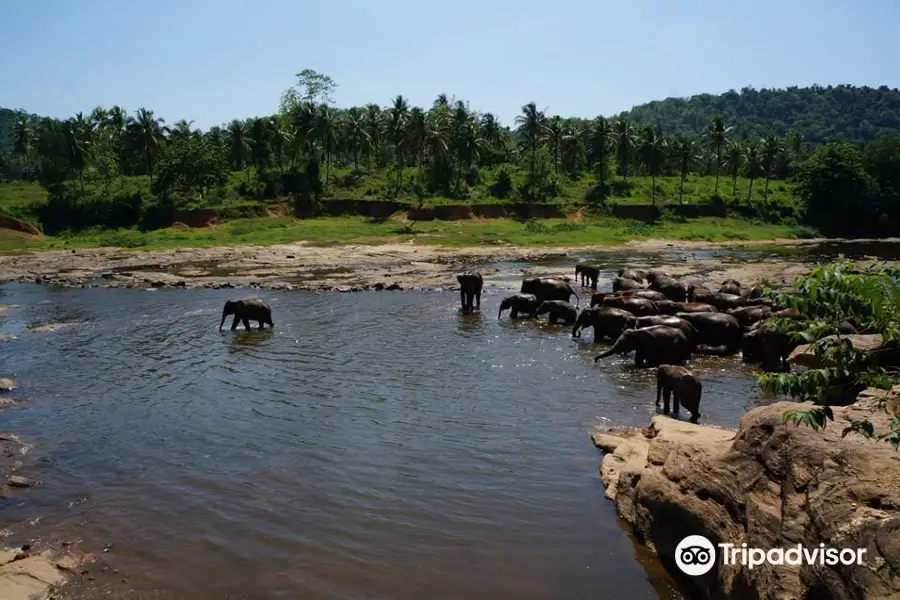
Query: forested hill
[[842, 112]]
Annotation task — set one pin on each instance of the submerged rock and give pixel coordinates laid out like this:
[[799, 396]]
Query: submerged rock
[[7, 385], [18, 481], [769, 485]]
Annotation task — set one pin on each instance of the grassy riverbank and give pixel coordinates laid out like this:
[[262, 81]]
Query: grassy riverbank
[[359, 230]]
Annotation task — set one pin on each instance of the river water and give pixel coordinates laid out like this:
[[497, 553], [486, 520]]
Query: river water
[[372, 445]]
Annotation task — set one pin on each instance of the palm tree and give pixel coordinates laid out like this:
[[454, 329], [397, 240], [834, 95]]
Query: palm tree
[[374, 125], [652, 150], [717, 137], [417, 131], [23, 139], [399, 113], [625, 143], [182, 130], [734, 160], [772, 149], [600, 137], [280, 138], [356, 135], [324, 130], [554, 138], [753, 164], [149, 132], [76, 132], [687, 155], [492, 135], [531, 128], [238, 143], [572, 148]]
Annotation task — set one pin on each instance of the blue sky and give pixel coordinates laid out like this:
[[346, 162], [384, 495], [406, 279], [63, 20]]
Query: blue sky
[[212, 61]]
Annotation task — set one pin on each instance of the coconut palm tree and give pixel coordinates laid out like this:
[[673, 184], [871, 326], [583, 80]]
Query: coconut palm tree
[[554, 139], [771, 150], [717, 138], [238, 143], [149, 133], [77, 139], [734, 161], [686, 154], [623, 134], [398, 115], [599, 140], [652, 150], [753, 164], [531, 127], [23, 140], [572, 148], [417, 129], [374, 125], [492, 134]]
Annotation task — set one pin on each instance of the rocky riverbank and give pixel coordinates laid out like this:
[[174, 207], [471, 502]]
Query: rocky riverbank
[[343, 268], [767, 484]]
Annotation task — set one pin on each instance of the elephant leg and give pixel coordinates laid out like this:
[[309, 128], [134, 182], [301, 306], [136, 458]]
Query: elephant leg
[[462, 298], [676, 403], [552, 319], [667, 394], [235, 322], [659, 386], [513, 313], [261, 324], [478, 299], [594, 283], [246, 322]]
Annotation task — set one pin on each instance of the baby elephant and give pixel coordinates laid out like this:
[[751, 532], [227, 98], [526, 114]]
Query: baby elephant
[[245, 311], [674, 379], [559, 310]]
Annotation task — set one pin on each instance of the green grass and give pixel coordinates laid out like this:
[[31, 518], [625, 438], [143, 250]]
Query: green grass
[[359, 230]]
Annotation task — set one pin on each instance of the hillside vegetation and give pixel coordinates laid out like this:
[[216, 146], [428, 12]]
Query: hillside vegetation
[[109, 169]]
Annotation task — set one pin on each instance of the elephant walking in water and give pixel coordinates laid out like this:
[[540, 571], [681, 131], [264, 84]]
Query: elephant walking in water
[[245, 311], [652, 346], [588, 273], [687, 389], [470, 284]]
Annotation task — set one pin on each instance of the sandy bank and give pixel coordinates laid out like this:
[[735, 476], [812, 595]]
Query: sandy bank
[[302, 266], [769, 485]]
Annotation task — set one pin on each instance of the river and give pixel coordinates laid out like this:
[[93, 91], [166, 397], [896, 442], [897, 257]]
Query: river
[[372, 445]]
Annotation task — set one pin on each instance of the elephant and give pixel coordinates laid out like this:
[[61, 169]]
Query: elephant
[[652, 346], [597, 297], [519, 303], [470, 284], [589, 273], [748, 315], [608, 322], [716, 329], [669, 321], [247, 310], [638, 276], [699, 293], [754, 292], [726, 301], [668, 307], [559, 310], [620, 283], [673, 289], [731, 286], [759, 302], [546, 288], [768, 347], [636, 306], [687, 389], [648, 294]]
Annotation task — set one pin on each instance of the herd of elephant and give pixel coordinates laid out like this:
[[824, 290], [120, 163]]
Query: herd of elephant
[[659, 318]]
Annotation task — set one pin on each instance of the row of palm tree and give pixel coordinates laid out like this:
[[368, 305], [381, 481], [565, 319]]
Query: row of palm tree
[[447, 140]]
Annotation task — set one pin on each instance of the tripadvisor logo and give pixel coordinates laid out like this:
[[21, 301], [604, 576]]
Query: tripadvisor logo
[[695, 555]]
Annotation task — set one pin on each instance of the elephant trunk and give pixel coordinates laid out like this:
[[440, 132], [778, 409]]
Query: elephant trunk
[[500, 314]]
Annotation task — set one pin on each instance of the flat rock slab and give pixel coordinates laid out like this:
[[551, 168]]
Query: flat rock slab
[[24, 577], [805, 355], [7, 385], [47, 327]]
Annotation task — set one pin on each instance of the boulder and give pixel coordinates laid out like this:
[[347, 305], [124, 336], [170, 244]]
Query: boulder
[[770, 485], [805, 355], [7, 385]]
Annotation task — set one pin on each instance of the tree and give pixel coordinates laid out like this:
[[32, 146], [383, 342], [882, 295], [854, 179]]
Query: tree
[[397, 130], [717, 138], [734, 160], [316, 88], [238, 143], [753, 164], [77, 136], [836, 189], [686, 154], [625, 142], [531, 126], [148, 132], [772, 149], [881, 159], [23, 140], [652, 150], [554, 138], [600, 138]]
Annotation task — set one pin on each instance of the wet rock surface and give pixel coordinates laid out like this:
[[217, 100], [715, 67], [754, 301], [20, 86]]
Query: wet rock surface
[[767, 484]]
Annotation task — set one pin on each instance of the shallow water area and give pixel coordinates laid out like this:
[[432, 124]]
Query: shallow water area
[[371, 445]]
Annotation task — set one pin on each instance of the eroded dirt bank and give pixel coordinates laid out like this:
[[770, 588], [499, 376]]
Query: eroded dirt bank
[[347, 268], [770, 485]]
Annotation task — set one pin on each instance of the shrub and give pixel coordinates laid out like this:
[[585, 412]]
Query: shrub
[[621, 188], [503, 186]]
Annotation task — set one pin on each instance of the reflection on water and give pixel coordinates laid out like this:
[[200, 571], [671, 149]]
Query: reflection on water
[[370, 445]]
